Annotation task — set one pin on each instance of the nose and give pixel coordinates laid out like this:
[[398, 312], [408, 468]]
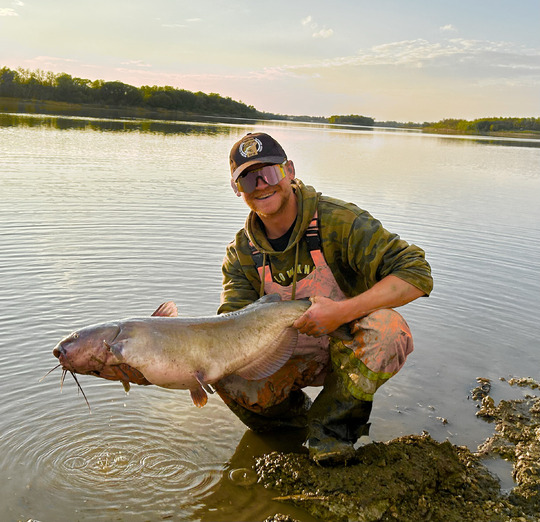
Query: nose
[[58, 351], [261, 180]]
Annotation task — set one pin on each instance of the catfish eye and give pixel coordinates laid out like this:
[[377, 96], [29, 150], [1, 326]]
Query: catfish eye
[[74, 336]]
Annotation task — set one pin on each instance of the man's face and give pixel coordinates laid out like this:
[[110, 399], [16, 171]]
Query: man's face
[[269, 200]]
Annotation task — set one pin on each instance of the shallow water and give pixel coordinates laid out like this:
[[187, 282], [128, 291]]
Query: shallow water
[[101, 220]]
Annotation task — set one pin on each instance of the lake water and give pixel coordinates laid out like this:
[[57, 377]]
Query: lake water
[[103, 220]]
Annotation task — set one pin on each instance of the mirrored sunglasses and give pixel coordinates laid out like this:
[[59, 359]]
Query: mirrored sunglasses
[[270, 174]]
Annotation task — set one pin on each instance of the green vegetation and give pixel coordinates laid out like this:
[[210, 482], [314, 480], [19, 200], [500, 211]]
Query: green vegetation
[[485, 126], [52, 92], [48, 90], [401, 125], [40, 85], [352, 119]]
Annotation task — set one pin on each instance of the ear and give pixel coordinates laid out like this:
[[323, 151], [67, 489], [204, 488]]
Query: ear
[[289, 167]]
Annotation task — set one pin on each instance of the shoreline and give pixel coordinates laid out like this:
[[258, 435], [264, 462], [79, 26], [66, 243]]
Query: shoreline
[[58, 108], [526, 135]]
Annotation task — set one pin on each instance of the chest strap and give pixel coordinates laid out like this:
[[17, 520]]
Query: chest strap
[[314, 246], [311, 236]]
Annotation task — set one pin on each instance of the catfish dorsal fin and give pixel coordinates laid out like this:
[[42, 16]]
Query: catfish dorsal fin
[[273, 357], [269, 298], [167, 309]]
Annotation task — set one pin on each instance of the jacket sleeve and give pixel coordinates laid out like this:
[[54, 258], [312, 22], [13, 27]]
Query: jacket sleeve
[[377, 253], [238, 291]]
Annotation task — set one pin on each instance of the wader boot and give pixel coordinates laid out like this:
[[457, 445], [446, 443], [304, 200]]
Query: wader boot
[[292, 413], [337, 420]]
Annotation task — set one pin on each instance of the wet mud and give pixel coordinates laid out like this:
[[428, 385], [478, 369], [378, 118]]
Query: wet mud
[[517, 439], [416, 478]]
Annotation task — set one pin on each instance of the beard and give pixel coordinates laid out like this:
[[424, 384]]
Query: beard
[[279, 201]]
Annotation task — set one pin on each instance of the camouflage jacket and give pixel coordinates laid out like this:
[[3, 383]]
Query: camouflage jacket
[[357, 248]]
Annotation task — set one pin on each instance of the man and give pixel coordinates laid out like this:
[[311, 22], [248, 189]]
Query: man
[[301, 244]]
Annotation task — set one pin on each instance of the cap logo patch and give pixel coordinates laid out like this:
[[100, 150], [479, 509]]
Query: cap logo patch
[[251, 147]]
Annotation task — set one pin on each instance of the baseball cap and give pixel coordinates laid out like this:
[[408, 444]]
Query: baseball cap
[[254, 149]]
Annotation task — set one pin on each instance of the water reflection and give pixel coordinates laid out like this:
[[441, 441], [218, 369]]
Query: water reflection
[[207, 125], [118, 125], [237, 496]]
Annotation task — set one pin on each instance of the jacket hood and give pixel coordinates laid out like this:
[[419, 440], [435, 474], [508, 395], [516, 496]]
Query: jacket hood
[[307, 198]]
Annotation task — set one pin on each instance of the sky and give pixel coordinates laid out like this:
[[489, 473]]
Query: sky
[[392, 60]]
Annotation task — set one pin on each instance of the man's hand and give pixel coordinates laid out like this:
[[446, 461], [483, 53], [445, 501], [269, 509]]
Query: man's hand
[[321, 318]]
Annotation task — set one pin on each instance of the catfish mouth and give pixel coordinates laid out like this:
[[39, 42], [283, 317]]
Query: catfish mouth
[[62, 352]]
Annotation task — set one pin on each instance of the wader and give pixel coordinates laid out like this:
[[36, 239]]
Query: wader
[[350, 372]]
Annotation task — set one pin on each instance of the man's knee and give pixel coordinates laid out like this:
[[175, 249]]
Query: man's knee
[[383, 341]]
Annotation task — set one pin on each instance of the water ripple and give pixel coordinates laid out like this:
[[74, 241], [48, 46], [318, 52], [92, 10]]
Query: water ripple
[[120, 447]]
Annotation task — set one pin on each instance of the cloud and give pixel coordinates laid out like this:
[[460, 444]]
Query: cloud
[[486, 60], [9, 11], [453, 53], [52, 60], [48, 63], [323, 33], [314, 26], [183, 24], [136, 63], [449, 28]]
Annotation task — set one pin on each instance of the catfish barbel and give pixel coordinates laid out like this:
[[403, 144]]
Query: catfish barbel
[[187, 353]]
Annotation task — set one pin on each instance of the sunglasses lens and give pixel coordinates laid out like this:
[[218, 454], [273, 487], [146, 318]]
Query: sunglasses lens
[[248, 182], [271, 175]]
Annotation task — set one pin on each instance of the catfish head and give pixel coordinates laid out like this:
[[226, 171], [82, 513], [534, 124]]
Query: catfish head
[[87, 352]]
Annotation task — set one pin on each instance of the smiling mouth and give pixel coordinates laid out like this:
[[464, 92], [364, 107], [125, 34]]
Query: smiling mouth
[[265, 196]]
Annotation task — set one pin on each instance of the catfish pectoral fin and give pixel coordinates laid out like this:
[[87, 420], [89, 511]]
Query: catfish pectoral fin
[[125, 372], [198, 396], [200, 379], [275, 356], [116, 349]]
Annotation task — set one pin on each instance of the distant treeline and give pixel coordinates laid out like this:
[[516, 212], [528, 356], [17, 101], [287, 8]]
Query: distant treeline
[[22, 83], [485, 125], [352, 119], [41, 85]]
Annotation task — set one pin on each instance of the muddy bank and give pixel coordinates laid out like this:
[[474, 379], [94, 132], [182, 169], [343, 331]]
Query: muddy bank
[[416, 478], [517, 439], [408, 479]]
